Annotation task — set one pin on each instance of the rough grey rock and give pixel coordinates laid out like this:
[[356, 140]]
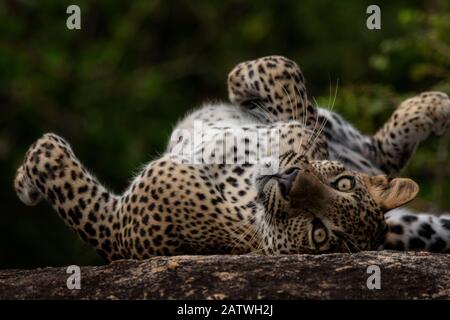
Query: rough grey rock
[[332, 276]]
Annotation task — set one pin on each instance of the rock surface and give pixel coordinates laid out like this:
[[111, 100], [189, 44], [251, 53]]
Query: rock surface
[[331, 276]]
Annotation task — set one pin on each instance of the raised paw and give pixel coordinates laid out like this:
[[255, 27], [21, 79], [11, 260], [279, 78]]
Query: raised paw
[[426, 113], [38, 167], [272, 88], [412, 122], [25, 189]]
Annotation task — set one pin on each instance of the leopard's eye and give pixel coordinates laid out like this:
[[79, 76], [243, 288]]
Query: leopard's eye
[[319, 235], [319, 232], [345, 183]]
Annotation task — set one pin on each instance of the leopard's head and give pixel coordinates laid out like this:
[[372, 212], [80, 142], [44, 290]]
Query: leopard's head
[[318, 206]]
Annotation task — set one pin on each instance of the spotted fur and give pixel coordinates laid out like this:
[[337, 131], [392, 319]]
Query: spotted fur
[[308, 205], [409, 230], [386, 152]]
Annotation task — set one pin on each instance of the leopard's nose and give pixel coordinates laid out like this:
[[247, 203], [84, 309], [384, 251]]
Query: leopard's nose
[[285, 181]]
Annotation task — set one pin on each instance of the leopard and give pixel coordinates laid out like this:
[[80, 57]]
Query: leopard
[[261, 174], [387, 152]]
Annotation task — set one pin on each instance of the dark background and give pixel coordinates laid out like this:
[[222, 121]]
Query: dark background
[[115, 88]]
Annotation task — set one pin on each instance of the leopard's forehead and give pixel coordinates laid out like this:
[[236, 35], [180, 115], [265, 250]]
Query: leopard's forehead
[[328, 166]]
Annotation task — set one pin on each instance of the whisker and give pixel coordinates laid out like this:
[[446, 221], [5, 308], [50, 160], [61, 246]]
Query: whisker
[[315, 124], [329, 97], [346, 245], [326, 119], [250, 232], [345, 238], [338, 157], [353, 244], [269, 116], [264, 112], [296, 102], [290, 102], [308, 146], [305, 107], [264, 227], [240, 239], [303, 116], [319, 131]]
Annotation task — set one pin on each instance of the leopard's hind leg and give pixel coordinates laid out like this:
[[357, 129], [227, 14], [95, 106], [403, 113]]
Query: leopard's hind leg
[[389, 150], [411, 123]]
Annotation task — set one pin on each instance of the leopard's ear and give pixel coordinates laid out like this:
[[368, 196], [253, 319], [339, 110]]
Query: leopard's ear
[[391, 193]]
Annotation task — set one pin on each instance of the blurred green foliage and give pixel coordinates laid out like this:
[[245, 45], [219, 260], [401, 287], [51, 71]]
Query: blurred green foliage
[[115, 88]]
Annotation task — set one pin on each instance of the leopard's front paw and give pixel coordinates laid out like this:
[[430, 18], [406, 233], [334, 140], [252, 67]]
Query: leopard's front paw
[[273, 88], [428, 111]]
